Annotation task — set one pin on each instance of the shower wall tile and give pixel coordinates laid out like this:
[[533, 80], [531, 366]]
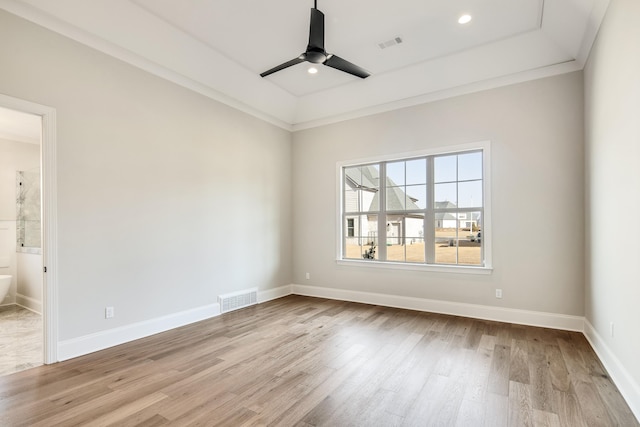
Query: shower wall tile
[[28, 209], [31, 191]]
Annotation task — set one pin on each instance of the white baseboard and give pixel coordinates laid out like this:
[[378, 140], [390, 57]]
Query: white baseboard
[[624, 381], [509, 315], [628, 387], [100, 340], [29, 303], [80, 346], [271, 294], [75, 347]]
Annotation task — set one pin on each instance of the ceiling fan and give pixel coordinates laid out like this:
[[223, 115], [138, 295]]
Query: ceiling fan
[[315, 52]]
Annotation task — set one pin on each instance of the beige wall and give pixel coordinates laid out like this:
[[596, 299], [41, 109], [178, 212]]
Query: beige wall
[[612, 118], [166, 199], [536, 131]]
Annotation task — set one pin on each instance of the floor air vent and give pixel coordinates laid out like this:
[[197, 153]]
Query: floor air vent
[[236, 300]]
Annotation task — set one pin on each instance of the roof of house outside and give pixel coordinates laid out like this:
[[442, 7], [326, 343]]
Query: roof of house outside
[[364, 177], [367, 178], [396, 198]]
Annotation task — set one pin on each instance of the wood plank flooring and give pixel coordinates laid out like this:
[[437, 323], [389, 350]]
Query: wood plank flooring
[[301, 361]]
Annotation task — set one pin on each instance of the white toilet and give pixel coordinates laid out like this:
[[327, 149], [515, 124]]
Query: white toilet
[[5, 283]]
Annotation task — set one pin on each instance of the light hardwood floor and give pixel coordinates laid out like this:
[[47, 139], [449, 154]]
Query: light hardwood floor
[[300, 361]]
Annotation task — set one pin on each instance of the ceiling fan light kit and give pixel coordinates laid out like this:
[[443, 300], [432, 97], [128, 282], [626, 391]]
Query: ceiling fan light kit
[[316, 54]]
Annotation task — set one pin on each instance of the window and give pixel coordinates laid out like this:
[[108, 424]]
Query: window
[[351, 228], [427, 209]]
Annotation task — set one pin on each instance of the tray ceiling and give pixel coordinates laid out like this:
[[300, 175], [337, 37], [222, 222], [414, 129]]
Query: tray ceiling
[[219, 47]]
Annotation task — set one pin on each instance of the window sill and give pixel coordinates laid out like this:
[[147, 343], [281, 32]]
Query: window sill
[[456, 269]]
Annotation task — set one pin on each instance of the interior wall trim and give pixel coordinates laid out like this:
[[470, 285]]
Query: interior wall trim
[[101, 340], [499, 314], [49, 173], [75, 347], [68, 349], [29, 303], [33, 14], [275, 293], [628, 387]]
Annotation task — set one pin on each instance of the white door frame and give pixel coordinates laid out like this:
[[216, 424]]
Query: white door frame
[[48, 167]]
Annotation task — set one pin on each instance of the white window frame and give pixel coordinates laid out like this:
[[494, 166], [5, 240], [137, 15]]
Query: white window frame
[[487, 266]]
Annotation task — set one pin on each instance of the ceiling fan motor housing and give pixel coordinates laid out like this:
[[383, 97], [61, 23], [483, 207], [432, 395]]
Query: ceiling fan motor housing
[[315, 56]]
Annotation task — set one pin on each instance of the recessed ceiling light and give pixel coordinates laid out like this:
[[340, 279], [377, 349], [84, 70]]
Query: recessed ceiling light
[[312, 70], [464, 19]]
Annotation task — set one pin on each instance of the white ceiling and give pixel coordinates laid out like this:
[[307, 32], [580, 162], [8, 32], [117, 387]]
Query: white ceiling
[[219, 47], [19, 126]]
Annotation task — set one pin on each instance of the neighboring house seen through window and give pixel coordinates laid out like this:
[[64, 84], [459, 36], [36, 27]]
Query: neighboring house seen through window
[[420, 210], [351, 228]]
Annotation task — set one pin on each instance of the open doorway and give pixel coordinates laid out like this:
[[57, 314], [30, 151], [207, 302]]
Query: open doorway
[[21, 265], [28, 298]]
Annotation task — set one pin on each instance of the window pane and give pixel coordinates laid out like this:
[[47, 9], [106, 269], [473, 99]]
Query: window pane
[[469, 242], [405, 238], [395, 173], [361, 187], [395, 199], [351, 227], [445, 196], [469, 166], [394, 230], [351, 197], [446, 238], [395, 241], [370, 200], [470, 194], [445, 168], [352, 237], [370, 238], [416, 197], [365, 232], [370, 176], [367, 176], [360, 200], [414, 243], [416, 171], [354, 175]]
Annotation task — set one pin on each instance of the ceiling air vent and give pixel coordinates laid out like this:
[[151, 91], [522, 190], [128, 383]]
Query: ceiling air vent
[[390, 43]]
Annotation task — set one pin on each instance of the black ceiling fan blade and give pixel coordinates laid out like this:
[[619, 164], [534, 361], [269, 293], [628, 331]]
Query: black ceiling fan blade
[[283, 66], [316, 30], [338, 63]]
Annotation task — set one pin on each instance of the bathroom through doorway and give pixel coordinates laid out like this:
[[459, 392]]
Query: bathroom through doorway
[[28, 308]]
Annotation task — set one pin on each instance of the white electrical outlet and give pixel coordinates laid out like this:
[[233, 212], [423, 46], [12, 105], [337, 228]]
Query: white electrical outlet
[[109, 312], [308, 276], [498, 293]]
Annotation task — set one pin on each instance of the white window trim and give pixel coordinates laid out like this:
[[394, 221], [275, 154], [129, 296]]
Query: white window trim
[[487, 233]]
